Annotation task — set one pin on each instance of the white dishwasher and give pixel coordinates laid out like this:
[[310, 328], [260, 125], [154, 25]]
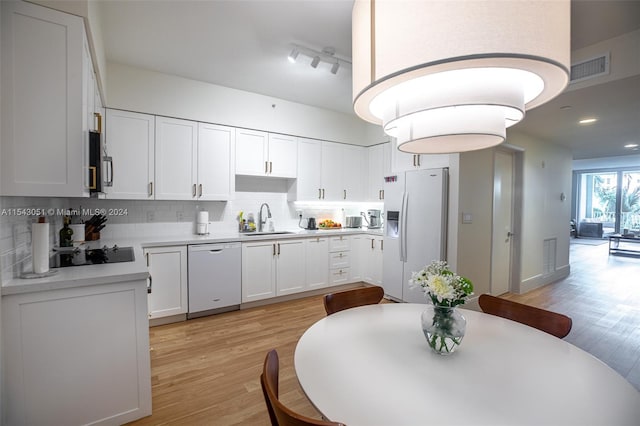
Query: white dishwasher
[[214, 277]]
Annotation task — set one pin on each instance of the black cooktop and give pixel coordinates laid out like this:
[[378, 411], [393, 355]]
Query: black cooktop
[[80, 257]]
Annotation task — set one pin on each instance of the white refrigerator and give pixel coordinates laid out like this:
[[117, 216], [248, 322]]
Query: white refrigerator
[[415, 228]]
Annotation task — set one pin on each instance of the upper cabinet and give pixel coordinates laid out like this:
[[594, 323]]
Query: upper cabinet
[[402, 161], [329, 171], [343, 172], [266, 154], [379, 167], [308, 185], [167, 159], [45, 66], [130, 142], [216, 145], [176, 152]]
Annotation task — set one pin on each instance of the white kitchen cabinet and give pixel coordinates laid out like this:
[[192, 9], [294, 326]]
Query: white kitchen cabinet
[[308, 185], [402, 161], [329, 171], [216, 145], [258, 270], [317, 262], [358, 253], [339, 260], [130, 142], [76, 356], [379, 167], [283, 156], [265, 154], [354, 173], [44, 142], [272, 268], [176, 157], [290, 267], [168, 269], [332, 176], [374, 248]]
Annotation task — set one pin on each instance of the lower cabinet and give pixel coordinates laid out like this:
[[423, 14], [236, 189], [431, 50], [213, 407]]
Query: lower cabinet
[[272, 268], [168, 269], [339, 260], [372, 271], [76, 355], [317, 253]]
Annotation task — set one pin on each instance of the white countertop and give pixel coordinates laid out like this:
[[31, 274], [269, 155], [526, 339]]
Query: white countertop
[[87, 275], [372, 366], [179, 240]]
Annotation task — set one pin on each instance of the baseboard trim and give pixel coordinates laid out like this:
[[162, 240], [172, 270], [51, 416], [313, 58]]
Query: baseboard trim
[[542, 280]]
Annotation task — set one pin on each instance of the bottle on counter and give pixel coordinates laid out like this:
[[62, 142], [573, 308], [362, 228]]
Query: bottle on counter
[[66, 233]]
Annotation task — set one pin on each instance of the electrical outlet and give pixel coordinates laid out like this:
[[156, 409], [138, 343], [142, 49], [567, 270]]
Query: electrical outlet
[[299, 213], [180, 216], [151, 216]]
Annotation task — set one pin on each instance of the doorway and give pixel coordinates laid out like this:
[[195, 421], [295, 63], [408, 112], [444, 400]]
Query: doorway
[[504, 223]]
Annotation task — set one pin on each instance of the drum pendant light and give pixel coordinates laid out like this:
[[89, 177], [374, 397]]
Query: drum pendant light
[[451, 76]]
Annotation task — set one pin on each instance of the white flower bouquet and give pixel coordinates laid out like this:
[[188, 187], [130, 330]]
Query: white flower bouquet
[[443, 287]]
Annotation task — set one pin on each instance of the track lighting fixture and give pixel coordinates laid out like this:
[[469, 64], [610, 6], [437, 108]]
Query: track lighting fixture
[[327, 55], [293, 55]]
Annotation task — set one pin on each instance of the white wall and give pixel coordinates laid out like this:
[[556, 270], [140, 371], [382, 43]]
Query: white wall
[[546, 174], [140, 90], [631, 161]]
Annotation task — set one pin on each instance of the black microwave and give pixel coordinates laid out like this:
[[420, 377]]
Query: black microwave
[[95, 162], [100, 166]]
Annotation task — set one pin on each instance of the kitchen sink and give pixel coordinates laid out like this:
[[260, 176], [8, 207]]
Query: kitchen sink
[[258, 234]]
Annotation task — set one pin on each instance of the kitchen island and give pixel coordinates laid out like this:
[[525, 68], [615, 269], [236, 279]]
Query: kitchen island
[[76, 346]]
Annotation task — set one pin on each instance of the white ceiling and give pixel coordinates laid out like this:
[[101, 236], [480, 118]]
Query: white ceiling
[[244, 44]]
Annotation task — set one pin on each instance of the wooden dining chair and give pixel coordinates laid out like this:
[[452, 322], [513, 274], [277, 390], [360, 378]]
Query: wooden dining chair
[[336, 302], [281, 415], [551, 322]]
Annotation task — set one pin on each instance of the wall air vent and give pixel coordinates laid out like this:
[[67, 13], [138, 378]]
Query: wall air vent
[[590, 68]]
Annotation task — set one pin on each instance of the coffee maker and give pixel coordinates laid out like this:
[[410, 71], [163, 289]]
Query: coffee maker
[[374, 220]]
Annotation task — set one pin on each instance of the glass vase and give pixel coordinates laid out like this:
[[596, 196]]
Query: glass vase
[[444, 328]]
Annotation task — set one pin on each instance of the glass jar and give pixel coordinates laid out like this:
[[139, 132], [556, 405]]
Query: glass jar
[[444, 328]]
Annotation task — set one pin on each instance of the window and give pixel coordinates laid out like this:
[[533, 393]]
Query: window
[[610, 198]]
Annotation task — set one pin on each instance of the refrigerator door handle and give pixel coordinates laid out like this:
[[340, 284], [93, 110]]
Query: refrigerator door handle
[[403, 227]]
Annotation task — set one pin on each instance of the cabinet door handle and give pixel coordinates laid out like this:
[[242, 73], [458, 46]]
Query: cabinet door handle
[[344, 195], [270, 167], [323, 193], [319, 193], [381, 245], [278, 249], [193, 192], [150, 189], [372, 245], [414, 160], [418, 155], [266, 167], [382, 195], [200, 190], [274, 249], [147, 255]]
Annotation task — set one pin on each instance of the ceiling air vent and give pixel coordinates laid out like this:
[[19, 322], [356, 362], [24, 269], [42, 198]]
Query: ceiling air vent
[[590, 68]]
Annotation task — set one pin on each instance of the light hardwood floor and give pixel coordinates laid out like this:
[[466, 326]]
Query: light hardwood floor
[[206, 371]]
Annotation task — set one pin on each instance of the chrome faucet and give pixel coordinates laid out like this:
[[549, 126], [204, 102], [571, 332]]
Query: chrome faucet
[[260, 221]]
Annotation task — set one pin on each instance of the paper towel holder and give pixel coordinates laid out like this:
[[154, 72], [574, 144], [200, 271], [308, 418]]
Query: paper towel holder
[[202, 223]]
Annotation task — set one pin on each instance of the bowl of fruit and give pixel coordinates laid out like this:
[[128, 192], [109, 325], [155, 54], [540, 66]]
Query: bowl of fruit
[[329, 224]]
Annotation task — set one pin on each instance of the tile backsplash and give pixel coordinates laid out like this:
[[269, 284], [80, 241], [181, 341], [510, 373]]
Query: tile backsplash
[[149, 218]]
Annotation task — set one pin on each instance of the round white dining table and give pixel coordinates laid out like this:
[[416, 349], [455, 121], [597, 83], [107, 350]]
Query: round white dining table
[[372, 365]]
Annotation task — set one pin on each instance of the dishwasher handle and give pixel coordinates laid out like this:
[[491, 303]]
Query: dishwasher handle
[[215, 251]]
